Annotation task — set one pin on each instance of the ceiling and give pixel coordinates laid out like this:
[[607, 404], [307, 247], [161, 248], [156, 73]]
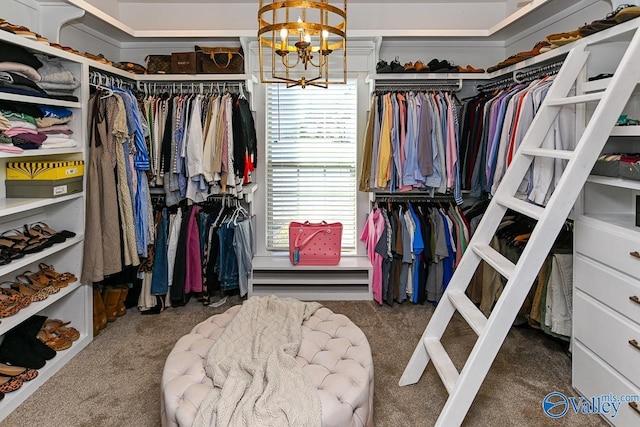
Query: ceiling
[[488, 20]]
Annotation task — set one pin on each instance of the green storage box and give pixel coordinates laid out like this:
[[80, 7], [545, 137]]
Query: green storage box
[[43, 188]]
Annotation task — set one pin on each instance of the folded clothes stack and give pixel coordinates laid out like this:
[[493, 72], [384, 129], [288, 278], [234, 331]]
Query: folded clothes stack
[[29, 127], [25, 73], [56, 80]]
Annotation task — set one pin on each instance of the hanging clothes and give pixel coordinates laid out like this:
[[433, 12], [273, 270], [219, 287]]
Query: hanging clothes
[[414, 249], [493, 128], [412, 142], [119, 207], [201, 144]]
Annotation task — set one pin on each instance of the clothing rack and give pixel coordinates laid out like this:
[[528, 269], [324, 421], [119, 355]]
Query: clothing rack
[[411, 197], [194, 87], [522, 76], [419, 85], [536, 73], [104, 80]]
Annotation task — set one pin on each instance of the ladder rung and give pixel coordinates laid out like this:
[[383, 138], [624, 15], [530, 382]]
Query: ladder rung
[[468, 310], [495, 259], [525, 208], [546, 152], [575, 99], [442, 362]]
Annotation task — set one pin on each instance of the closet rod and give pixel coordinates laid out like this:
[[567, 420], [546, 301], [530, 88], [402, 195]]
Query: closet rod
[[522, 76], [191, 86], [112, 79], [534, 73], [412, 197], [420, 85]]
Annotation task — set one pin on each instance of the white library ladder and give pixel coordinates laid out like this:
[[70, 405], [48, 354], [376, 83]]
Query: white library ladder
[[463, 386]]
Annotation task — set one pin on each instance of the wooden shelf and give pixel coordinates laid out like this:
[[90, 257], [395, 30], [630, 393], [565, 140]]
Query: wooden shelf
[[626, 131]]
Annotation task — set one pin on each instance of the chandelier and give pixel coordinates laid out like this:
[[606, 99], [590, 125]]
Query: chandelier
[[307, 40]]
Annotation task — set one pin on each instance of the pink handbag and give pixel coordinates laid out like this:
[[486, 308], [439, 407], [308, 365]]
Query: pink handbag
[[315, 244]]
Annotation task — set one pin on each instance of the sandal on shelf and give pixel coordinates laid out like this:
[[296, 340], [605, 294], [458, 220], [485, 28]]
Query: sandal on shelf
[[25, 244], [36, 235], [60, 280], [53, 341], [60, 328], [28, 291], [37, 281], [45, 229], [9, 384], [19, 372], [12, 302]]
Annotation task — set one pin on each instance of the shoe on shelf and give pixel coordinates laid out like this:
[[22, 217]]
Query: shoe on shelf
[[28, 291], [9, 384], [396, 67], [561, 39], [626, 14], [53, 341], [603, 24], [60, 280], [409, 68], [382, 67], [421, 67], [38, 281], [20, 372], [60, 328]]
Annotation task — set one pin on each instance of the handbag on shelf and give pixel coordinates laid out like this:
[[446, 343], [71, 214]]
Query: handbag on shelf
[[158, 64], [184, 63], [220, 60], [315, 243]]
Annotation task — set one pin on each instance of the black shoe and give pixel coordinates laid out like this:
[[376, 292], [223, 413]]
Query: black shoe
[[383, 67], [396, 66]]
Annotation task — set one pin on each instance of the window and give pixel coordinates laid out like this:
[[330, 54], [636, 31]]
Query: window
[[311, 160]]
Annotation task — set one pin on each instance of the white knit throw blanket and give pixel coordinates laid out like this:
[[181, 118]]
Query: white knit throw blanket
[[256, 379]]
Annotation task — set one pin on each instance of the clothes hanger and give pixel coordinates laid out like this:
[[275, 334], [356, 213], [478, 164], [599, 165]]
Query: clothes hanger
[[242, 96]]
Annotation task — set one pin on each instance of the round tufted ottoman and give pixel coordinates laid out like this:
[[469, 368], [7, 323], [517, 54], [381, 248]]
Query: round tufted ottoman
[[334, 354]]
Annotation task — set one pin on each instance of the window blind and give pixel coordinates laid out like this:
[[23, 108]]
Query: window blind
[[311, 160]]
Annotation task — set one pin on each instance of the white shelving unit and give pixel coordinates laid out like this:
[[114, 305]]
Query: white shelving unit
[[606, 272], [74, 302], [349, 280]]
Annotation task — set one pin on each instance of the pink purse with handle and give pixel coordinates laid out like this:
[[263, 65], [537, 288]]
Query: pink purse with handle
[[315, 244]]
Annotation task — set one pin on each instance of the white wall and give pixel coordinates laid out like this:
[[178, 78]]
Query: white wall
[[478, 54], [85, 40], [21, 12]]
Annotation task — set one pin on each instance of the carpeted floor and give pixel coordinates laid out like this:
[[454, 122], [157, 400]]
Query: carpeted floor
[[115, 381]]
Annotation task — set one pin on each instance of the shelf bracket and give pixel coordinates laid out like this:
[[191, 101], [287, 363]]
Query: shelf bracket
[[53, 16]]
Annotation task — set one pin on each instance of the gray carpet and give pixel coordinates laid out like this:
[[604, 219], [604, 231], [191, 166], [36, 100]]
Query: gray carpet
[[115, 381]]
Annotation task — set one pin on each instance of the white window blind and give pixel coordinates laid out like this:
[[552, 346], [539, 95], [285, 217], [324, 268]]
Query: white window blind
[[311, 160]]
